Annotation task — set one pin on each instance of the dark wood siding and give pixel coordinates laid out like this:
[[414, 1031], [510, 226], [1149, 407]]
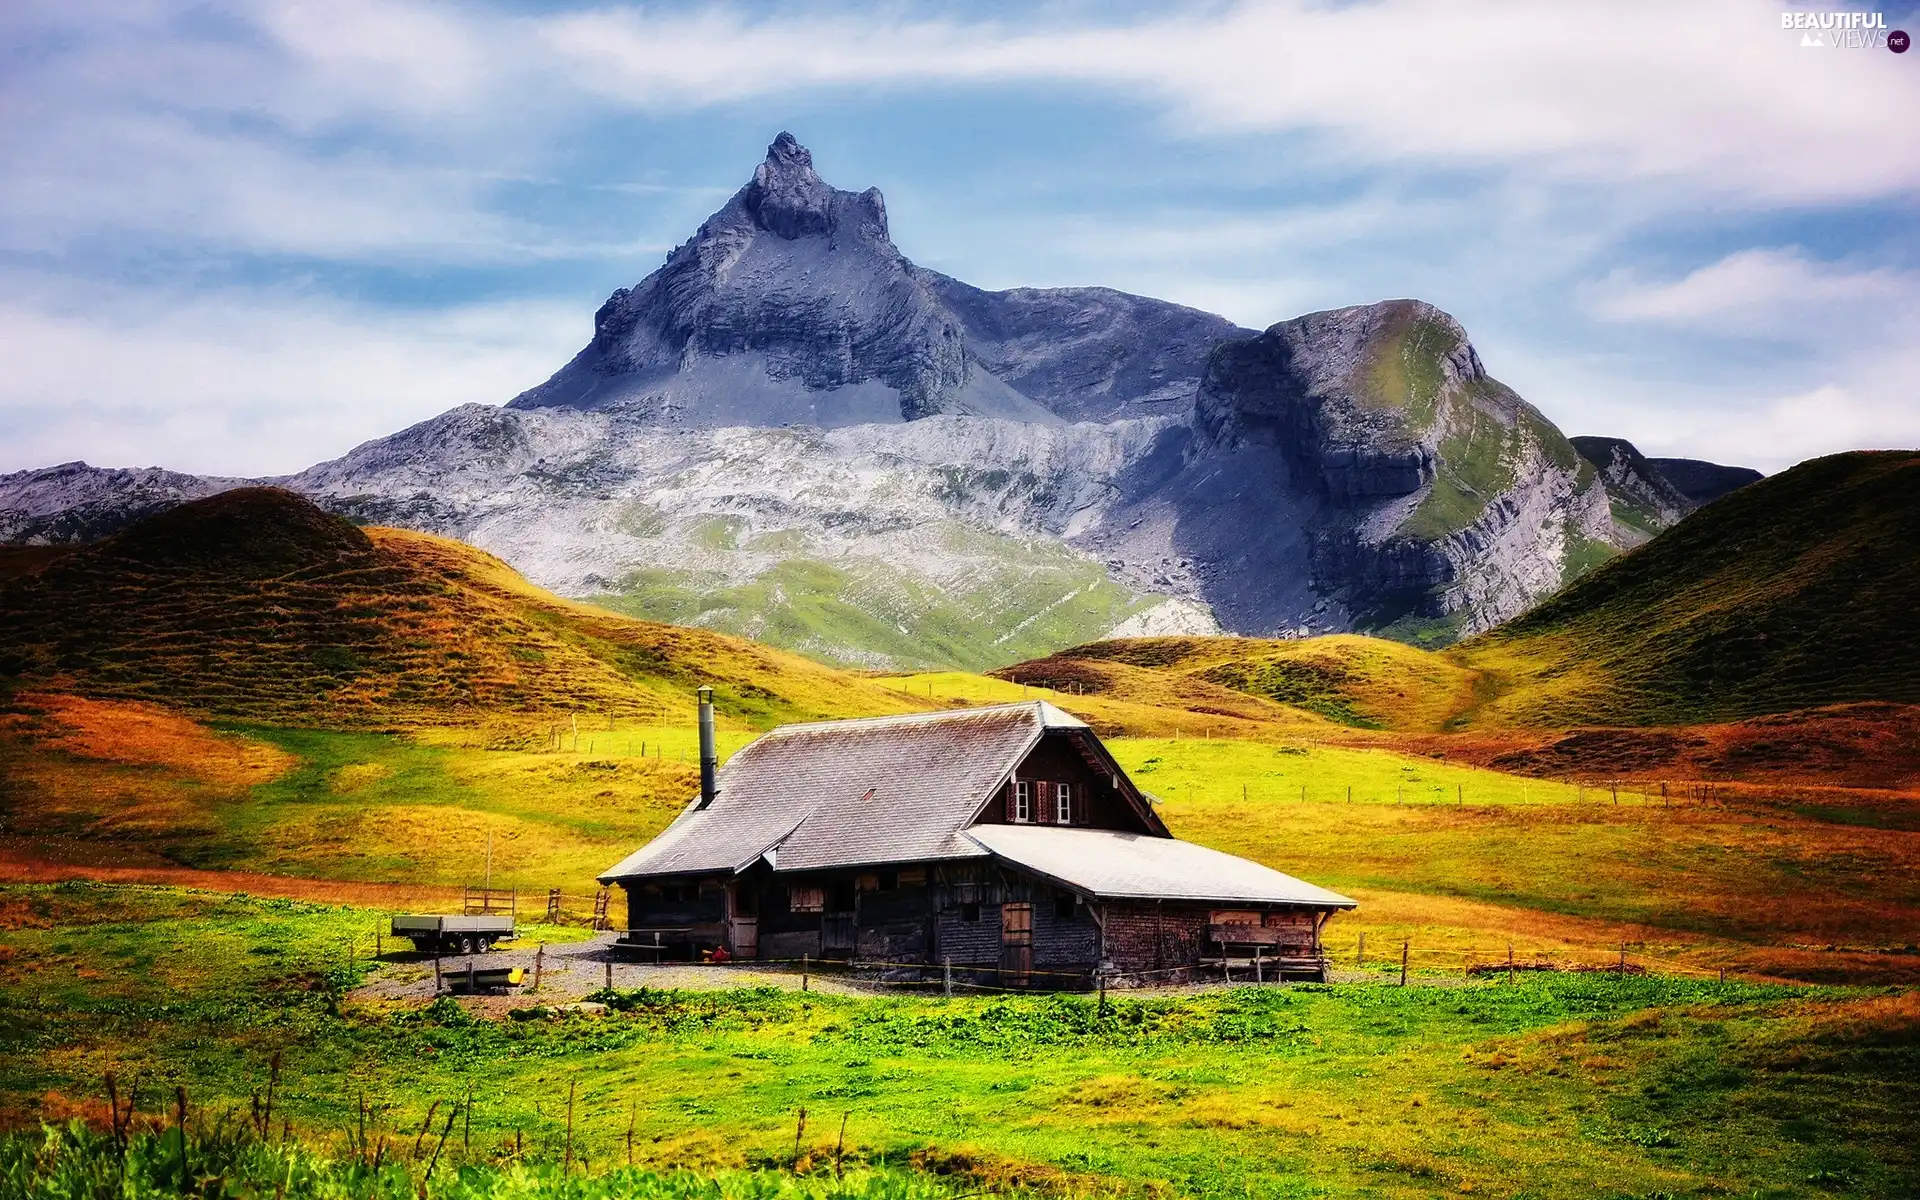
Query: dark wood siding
[[1097, 803], [898, 918]]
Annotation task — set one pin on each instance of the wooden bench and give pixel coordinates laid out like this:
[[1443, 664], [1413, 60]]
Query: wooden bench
[[1276, 951]]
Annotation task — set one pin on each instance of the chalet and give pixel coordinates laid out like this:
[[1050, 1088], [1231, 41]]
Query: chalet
[[1004, 841]]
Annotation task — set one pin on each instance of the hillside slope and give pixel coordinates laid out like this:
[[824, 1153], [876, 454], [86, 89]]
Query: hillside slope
[[1793, 592], [256, 605], [1365, 682]]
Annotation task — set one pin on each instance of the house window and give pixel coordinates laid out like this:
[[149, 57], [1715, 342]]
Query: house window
[[1022, 802], [970, 913], [806, 899], [1063, 804]]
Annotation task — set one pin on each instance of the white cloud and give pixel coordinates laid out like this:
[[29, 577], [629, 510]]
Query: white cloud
[[1769, 418], [1710, 95], [152, 117], [373, 131], [1854, 411], [249, 382], [1765, 292]]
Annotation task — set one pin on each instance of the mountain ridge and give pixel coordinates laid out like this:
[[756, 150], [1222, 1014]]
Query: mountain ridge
[[790, 431]]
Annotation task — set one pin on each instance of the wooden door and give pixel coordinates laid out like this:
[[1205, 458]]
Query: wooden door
[[744, 935], [1016, 944]]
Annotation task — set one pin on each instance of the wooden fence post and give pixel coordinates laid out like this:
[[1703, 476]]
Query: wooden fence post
[[1623, 960], [1509, 963], [571, 1084], [1360, 955], [804, 964], [946, 977], [180, 1119], [539, 961], [1403, 963]]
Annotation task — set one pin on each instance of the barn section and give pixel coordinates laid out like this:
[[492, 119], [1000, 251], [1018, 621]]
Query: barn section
[[1002, 841]]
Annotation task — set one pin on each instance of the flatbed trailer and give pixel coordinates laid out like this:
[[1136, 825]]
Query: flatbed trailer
[[452, 934]]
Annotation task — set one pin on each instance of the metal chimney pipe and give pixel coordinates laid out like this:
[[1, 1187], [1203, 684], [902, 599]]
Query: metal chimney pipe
[[709, 757]]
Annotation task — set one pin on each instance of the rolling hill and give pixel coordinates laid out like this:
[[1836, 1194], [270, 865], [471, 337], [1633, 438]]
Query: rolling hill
[[255, 605], [1775, 624], [1365, 682], [1794, 592]]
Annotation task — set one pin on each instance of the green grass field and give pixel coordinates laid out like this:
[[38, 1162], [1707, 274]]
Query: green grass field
[[1570, 1085]]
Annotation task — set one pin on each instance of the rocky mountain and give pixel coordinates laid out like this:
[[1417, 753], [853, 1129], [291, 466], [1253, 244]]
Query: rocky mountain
[[74, 502], [1642, 499], [791, 431], [791, 305]]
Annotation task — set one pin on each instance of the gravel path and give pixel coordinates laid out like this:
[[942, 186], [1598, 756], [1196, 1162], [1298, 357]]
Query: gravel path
[[571, 970]]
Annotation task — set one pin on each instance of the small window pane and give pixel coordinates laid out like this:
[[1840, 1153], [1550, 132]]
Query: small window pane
[[1063, 803]]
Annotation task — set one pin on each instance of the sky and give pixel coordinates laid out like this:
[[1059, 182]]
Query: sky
[[240, 238]]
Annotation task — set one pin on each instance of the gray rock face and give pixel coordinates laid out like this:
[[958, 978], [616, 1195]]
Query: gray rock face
[[790, 431], [1704, 482], [1088, 354], [1430, 492], [804, 277], [1306, 385], [791, 305], [1644, 503], [74, 502]]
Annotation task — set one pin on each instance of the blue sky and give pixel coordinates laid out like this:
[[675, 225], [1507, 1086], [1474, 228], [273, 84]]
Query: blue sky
[[239, 238]]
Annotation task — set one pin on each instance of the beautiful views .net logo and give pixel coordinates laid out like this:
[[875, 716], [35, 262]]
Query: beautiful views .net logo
[[1845, 31]]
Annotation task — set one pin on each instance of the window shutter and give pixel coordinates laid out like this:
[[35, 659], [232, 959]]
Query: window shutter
[[1043, 802]]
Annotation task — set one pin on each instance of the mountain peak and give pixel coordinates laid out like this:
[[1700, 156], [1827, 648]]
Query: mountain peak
[[789, 199], [786, 151]]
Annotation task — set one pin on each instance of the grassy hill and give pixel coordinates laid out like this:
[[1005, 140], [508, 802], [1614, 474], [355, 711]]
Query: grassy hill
[[1367, 682], [168, 711], [255, 605], [248, 682], [1794, 592], [1790, 594]]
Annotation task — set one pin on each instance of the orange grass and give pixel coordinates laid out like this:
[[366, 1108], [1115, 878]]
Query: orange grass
[[131, 733]]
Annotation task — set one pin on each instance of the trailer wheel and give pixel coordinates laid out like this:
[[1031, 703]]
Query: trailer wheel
[[483, 945], [466, 945]]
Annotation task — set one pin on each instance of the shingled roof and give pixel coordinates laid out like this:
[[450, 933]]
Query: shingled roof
[[1110, 864], [853, 793]]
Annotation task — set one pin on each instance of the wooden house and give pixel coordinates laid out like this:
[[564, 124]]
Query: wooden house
[[1003, 844]]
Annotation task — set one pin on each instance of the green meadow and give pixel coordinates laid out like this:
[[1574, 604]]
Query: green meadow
[[1581, 1084]]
